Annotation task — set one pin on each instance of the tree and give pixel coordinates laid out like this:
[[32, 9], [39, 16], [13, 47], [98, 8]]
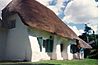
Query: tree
[[87, 29], [91, 39]]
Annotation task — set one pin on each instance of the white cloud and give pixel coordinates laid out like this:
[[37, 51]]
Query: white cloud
[[81, 11], [59, 3], [75, 29], [54, 9], [44, 2], [94, 27], [81, 31]]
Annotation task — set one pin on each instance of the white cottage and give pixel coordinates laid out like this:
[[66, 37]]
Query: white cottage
[[32, 32]]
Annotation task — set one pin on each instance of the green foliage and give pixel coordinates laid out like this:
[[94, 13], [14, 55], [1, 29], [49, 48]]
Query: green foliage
[[87, 29], [87, 37]]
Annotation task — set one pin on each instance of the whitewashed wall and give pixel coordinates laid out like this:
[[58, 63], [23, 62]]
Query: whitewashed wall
[[65, 54], [39, 33], [18, 47], [36, 54], [56, 54], [69, 54], [3, 36], [56, 50]]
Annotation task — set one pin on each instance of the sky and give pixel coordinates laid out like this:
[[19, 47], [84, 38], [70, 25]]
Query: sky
[[74, 13]]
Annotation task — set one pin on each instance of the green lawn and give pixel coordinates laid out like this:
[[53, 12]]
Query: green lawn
[[56, 62]]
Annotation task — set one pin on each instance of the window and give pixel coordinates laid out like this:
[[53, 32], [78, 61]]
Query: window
[[49, 47], [62, 47], [48, 44], [40, 41], [9, 24]]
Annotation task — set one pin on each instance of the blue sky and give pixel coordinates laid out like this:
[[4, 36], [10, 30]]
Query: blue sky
[[74, 13]]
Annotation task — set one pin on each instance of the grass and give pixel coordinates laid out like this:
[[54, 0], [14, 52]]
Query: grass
[[56, 62], [72, 62]]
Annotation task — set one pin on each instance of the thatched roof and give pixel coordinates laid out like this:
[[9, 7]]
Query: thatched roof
[[38, 16], [84, 44]]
